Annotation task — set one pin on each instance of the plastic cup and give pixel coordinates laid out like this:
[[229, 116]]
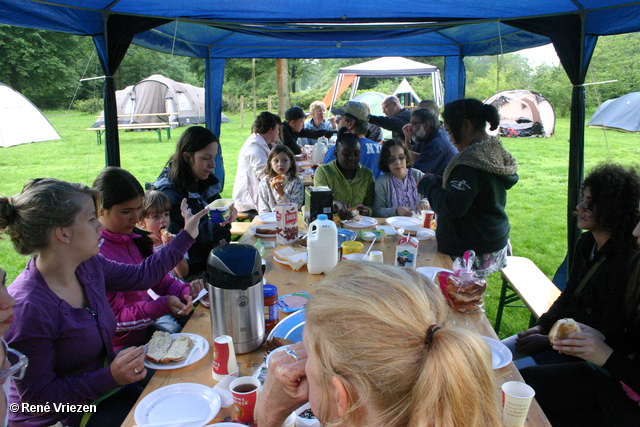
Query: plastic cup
[[516, 399], [245, 395], [351, 247], [376, 256], [355, 257], [290, 421], [427, 216]]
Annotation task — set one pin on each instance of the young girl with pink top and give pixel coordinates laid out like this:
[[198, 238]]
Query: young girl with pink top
[[136, 312]]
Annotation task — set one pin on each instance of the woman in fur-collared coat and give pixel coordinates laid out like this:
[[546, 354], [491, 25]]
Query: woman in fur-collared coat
[[470, 198]]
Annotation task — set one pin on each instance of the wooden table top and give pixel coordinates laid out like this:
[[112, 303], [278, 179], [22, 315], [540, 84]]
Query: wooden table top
[[289, 281]]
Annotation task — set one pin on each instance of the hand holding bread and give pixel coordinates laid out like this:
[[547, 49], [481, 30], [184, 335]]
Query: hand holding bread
[[587, 344], [562, 328]]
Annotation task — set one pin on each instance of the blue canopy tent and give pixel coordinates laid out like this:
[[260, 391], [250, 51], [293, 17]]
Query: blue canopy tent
[[360, 28]]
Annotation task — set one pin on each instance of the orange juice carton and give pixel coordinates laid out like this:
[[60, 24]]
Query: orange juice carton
[[286, 223]]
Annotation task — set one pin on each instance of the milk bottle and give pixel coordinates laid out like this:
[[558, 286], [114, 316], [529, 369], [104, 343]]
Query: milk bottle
[[322, 245], [319, 150]]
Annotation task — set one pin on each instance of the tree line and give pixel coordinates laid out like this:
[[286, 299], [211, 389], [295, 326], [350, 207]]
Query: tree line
[[46, 67]]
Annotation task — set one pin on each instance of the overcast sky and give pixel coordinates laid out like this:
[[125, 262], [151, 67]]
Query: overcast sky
[[540, 55]]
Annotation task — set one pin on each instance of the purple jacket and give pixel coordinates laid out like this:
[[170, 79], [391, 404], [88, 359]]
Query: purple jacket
[[136, 310], [68, 347]]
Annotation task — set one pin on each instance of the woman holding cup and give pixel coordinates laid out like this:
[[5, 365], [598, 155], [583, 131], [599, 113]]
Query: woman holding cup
[[396, 190], [379, 350]]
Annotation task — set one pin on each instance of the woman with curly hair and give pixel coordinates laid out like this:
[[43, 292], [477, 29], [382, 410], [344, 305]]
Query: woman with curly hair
[[594, 295]]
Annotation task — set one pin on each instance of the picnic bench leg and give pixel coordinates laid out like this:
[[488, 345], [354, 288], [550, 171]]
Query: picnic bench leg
[[159, 134], [169, 132], [99, 136], [501, 303]]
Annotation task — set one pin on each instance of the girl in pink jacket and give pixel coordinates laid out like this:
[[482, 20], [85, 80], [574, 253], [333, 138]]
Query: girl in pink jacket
[[138, 314]]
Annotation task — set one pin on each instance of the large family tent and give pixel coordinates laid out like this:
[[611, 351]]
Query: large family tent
[[619, 113], [160, 95], [524, 113], [391, 66], [20, 121]]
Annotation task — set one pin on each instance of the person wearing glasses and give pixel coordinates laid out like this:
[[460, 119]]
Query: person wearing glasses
[[63, 321], [396, 190], [428, 141], [13, 365]]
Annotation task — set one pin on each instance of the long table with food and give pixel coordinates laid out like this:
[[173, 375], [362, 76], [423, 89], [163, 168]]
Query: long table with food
[[290, 281]]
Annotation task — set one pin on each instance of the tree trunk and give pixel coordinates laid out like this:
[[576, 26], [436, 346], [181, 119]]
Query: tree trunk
[[283, 86]]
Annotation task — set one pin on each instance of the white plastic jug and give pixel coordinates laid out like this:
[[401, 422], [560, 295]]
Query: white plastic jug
[[322, 245], [319, 150]]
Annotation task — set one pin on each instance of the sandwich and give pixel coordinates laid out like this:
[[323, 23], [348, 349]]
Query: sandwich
[[354, 215], [165, 232], [164, 349], [277, 179], [265, 230], [562, 328]]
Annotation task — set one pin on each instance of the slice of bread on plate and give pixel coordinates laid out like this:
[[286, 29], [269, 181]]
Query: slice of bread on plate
[[164, 349]]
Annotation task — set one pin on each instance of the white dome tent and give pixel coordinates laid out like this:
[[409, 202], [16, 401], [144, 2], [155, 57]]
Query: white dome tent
[[21, 122], [523, 113]]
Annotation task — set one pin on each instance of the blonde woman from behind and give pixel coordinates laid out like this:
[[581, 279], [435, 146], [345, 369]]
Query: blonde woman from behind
[[379, 350]]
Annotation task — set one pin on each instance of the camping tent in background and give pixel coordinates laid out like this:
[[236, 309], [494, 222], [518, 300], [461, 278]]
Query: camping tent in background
[[159, 94], [406, 94], [621, 114], [21, 122], [523, 113], [391, 66], [374, 101]]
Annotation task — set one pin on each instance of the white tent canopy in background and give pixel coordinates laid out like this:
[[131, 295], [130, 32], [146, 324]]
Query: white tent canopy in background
[[390, 66], [404, 88], [21, 122]]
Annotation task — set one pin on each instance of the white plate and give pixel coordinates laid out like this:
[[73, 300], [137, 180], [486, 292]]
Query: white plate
[[431, 272], [268, 226], [179, 401], [365, 221], [200, 349], [229, 425], [268, 217], [403, 221], [421, 232], [500, 354], [389, 230]]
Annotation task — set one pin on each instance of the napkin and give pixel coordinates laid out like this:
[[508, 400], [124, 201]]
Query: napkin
[[222, 388], [292, 258]]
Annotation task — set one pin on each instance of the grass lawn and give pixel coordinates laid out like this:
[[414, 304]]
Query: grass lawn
[[536, 205]]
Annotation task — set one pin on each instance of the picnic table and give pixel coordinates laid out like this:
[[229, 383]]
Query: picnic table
[[289, 281], [158, 127]]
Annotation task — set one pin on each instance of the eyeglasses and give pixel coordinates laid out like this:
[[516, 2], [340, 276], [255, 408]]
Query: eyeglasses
[[18, 361], [414, 124], [395, 159]]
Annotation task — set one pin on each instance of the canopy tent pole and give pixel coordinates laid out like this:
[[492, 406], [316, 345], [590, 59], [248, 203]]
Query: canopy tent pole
[[454, 78], [214, 78]]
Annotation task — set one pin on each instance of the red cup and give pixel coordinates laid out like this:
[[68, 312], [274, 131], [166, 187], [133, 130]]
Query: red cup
[[224, 358], [245, 395], [428, 218]]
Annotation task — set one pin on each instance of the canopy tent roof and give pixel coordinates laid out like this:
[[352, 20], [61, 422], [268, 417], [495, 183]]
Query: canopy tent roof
[[391, 66], [331, 29]]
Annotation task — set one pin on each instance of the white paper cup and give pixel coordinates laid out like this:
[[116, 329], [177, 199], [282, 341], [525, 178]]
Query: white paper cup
[[245, 396], [224, 358], [516, 399], [290, 421]]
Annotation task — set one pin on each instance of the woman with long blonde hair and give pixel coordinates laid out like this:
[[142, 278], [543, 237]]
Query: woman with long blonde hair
[[379, 349]]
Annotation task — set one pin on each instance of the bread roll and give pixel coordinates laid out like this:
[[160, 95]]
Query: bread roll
[[158, 346], [164, 349], [562, 328], [276, 179]]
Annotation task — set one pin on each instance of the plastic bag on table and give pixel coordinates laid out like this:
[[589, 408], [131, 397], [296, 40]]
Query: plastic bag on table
[[464, 292]]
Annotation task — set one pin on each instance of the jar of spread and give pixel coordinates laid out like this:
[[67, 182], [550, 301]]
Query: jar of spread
[[270, 307]]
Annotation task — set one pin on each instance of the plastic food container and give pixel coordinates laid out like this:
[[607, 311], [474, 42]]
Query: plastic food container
[[369, 235], [220, 210]]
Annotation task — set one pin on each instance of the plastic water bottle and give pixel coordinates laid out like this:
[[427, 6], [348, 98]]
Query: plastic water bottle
[[319, 150], [322, 245]]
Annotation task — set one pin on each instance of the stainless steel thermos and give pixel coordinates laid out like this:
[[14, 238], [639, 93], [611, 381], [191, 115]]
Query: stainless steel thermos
[[234, 279]]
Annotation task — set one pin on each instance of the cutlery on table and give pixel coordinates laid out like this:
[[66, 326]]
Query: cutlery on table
[[202, 293]]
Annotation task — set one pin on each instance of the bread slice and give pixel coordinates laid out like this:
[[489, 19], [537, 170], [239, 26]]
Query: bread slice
[[159, 346], [164, 349], [562, 328], [180, 349]]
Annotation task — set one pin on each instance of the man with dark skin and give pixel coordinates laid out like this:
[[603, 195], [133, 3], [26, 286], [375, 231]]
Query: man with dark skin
[[352, 184]]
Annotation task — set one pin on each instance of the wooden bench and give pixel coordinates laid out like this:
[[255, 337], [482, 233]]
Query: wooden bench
[[522, 280], [238, 228], [135, 126]]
